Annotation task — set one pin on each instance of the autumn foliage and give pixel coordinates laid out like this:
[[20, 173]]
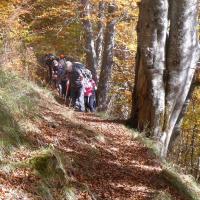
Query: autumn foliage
[[32, 28]]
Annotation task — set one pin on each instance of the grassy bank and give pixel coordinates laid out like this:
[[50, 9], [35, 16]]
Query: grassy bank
[[20, 111], [18, 101], [185, 184]]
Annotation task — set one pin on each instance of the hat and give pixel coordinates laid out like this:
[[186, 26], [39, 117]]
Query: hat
[[62, 55]]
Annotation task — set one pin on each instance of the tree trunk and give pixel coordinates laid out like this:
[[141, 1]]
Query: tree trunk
[[192, 149], [91, 57], [177, 129], [165, 65], [100, 38], [182, 57], [107, 64], [149, 96]]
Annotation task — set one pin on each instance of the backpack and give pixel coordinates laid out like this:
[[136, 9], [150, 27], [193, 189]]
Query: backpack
[[80, 66], [62, 62], [86, 82], [86, 72]]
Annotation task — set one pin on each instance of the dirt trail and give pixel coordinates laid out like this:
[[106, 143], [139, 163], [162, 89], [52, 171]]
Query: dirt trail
[[106, 158], [106, 163]]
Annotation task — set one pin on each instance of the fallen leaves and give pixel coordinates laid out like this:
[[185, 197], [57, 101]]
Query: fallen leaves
[[104, 160]]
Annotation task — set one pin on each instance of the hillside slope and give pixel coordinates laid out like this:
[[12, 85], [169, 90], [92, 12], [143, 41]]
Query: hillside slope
[[68, 155]]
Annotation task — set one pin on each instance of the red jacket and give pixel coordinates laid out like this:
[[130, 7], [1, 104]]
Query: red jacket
[[90, 88]]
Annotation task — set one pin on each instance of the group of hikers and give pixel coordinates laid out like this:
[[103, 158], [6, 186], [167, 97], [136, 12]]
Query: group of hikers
[[73, 81]]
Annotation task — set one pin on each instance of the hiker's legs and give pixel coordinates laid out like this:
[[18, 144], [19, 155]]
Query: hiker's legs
[[80, 99], [73, 97], [50, 74], [54, 83], [91, 103], [60, 89], [77, 98], [86, 99], [63, 84]]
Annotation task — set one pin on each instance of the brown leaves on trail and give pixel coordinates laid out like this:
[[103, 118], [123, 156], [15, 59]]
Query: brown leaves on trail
[[104, 162], [18, 185]]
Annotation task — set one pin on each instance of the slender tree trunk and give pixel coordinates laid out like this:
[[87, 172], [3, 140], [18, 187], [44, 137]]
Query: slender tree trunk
[[107, 65], [198, 170], [192, 149], [91, 57], [165, 65], [186, 150], [100, 37]]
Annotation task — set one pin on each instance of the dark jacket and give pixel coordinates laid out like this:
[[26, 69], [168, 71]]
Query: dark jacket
[[76, 77]]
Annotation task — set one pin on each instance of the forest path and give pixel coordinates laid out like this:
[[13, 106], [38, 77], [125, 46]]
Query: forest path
[[106, 157], [101, 158]]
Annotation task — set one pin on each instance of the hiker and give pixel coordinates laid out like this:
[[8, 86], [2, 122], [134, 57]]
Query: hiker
[[55, 73], [52, 63], [62, 75], [76, 79], [62, 61], [89, 93]]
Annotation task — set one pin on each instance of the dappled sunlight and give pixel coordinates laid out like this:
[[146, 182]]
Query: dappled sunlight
[[100, 155], [142, 190], [9, 193]]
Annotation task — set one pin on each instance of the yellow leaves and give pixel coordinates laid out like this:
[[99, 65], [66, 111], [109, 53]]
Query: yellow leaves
[[193, 115], [92, 18], [128, 94]]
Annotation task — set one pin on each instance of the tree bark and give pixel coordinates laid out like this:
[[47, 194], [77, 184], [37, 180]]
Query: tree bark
[[107, 65], [91, 57], [100, 37], [149, 96], [177, 129], [165, 66], [182, 57]]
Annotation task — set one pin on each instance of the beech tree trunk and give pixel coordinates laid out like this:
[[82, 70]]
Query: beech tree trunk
[[166, 61], [149, 95], [106, 69]]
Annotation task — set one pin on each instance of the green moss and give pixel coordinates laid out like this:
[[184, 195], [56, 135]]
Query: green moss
[[49, 165], [41, 162]]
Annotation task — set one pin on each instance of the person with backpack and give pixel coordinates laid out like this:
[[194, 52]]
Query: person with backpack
[[76, 82], [62, 75], [89, 93], [52, 63]]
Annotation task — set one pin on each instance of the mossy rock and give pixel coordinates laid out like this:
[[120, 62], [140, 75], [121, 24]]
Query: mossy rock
[[47, 164], [42, 163]]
